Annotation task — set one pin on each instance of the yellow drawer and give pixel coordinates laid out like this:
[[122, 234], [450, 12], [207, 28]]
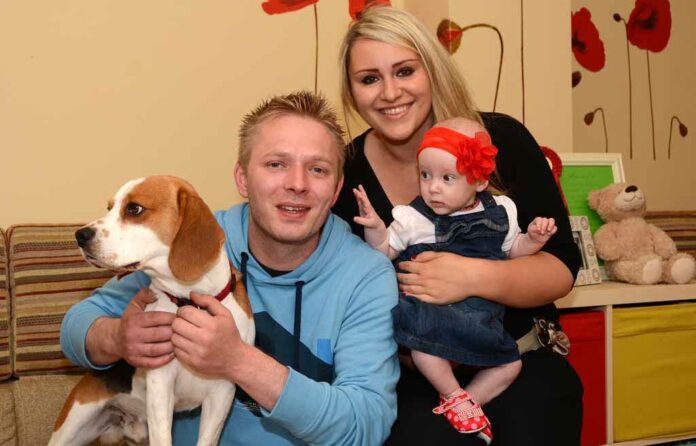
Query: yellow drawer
[[654, 371]]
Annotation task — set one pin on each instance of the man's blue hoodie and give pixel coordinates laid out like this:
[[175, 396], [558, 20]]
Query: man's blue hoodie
[[329, 321]]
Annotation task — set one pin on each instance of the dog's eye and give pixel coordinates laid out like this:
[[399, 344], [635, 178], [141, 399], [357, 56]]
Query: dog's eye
[[134, 209]]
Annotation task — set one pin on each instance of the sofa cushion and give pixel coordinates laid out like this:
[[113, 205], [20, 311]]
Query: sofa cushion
[[680, 225], [38, 400], [5, 357], [8, 429], [47, 275]]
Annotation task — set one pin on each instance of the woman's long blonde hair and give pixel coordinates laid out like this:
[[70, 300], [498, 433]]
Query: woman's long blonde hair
[[385, 24], [449, 91]]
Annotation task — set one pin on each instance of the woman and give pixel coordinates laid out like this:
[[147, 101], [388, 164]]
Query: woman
[[400, 80]]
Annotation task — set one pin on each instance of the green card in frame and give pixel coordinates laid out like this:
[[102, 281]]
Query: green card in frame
[[585, 172]]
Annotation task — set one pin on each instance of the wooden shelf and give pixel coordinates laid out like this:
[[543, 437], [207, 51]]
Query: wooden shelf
[[619, 293]]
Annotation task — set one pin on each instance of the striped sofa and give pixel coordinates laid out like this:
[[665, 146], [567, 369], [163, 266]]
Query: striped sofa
[[679, 225], [41, 275]]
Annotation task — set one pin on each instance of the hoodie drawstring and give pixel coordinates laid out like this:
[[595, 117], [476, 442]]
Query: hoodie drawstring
[[243, 268], [298, 309], [298, 322]]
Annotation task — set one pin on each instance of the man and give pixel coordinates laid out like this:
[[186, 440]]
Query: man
[[324, 367]]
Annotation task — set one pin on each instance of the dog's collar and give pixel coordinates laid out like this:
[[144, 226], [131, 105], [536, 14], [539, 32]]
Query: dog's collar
[[229, 288]]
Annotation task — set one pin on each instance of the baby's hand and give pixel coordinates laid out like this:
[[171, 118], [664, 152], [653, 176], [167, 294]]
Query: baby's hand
[[368, 216], [541, 229]]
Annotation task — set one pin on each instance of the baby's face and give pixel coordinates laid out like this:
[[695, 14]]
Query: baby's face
[[443, 188]]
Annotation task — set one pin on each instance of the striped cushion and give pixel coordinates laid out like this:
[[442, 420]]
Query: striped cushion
[[47, 276], [680, 225], [5, 365]]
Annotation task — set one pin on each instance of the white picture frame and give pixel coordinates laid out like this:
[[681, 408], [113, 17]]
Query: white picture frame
[[589, 272], [596, 159], [581, 173]]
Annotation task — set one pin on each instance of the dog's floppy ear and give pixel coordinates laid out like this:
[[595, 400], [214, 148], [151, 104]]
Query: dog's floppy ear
[[197, 243]]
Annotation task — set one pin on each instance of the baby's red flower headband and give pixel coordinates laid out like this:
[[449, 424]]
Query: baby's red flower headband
[[475, 156]]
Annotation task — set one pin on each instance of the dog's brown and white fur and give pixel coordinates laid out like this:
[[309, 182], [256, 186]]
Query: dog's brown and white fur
[[161, 226]]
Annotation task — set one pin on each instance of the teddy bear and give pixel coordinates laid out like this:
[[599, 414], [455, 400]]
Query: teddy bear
[[634, 250]]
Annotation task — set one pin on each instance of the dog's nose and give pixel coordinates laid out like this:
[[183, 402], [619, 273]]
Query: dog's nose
[[631, 188], [83, 236]]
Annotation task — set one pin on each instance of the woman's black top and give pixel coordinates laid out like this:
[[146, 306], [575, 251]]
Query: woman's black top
[[523, 173]]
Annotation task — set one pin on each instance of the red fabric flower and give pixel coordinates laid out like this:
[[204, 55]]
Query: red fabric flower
[[588, 48], [356, 7], [650, 24], [282, 6], [450, 35], [475, 156]]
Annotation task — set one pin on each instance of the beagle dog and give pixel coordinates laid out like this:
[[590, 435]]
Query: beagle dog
[[161, 226]]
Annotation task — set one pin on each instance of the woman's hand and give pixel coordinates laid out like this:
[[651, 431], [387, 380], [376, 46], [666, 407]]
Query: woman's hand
[[443, 278], [439, 278]]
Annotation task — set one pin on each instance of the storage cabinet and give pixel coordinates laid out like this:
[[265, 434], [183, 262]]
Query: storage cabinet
[[586, 330], [649, 366], [654, 371]]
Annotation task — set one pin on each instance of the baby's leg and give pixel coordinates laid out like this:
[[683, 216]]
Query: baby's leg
[[458, 407], [490, 382], [438, 372]]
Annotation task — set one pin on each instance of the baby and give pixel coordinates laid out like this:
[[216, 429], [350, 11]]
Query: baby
[[456, 213]]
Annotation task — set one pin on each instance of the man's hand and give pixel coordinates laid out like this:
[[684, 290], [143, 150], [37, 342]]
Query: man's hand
[[145, 336], [541, 229], [141, 338], [207, 341]]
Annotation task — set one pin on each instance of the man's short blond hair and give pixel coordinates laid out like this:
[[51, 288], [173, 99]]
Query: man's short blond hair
[[301, 103]]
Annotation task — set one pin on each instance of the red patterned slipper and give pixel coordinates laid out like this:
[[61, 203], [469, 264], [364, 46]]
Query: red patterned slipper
[[472, 420], [486, 434]]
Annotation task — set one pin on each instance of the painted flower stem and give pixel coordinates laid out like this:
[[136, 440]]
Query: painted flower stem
[[652, 113], [618, 18], [316, 48], [522, 56], [589, 117], [500, 61], [683, 131]]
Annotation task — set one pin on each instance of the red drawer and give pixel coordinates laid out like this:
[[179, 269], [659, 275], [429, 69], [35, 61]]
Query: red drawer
[[587, 355]]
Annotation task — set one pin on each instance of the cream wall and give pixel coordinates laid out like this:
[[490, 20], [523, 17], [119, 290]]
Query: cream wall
[[669, 184], [547, 98], [547, 59], [93, 93]]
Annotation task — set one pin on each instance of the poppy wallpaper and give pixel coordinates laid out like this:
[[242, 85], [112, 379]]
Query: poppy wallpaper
[[633, 92], [167, 96]]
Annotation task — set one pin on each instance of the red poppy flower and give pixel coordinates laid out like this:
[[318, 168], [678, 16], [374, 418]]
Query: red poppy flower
[[281, 6], [588, 48], [356, 7], [650, 24], [450, 35]]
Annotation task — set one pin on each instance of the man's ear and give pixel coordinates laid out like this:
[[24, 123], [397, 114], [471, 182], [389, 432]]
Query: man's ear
[[482, 185], [339, 186], [240, 178]]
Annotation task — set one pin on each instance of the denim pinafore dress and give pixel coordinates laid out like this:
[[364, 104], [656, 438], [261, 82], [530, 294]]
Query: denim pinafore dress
[[471, 331]]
